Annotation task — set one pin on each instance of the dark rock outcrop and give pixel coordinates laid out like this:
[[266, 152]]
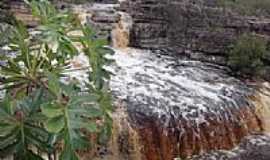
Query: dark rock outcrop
[[150, 27], [188, 25]]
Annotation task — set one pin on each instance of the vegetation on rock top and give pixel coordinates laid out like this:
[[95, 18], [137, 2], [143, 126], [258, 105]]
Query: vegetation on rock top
[[248, 54]]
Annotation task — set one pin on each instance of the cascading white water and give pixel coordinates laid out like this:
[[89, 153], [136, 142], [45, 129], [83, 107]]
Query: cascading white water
[[170, 87], [194, 106], [189, 103]]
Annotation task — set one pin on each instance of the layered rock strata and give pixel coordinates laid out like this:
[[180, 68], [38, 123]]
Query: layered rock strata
[[201, 29]]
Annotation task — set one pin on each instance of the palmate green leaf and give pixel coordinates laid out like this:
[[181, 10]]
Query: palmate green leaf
[[73, 141], [86, 99], [81, 123], [55, 124], [53, 83], [40, 143], [77, 115], [38, 137], [105, 103], [6, 129], [76, 118], [52, 110], [76, 139], [37, 131], [30, 105], [88, 111], [6, 107], [38, 99], [9, 150], [90, 127], [19, 131], [9, 139], [68, 153]]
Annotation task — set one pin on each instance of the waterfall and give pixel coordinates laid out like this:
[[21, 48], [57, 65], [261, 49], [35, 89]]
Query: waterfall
[[168, 107], [121, 32], [182, 107]]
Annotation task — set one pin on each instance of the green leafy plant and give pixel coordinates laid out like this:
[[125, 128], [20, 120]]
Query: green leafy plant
[[20, 128], [247, 54], [47, 112]]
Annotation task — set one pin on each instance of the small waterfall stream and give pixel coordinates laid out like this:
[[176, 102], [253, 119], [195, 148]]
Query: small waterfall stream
[[121, 33]]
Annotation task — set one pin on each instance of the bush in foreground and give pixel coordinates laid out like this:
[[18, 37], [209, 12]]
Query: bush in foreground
[[40, 113]]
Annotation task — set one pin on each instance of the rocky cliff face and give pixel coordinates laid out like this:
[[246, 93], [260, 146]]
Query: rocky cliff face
[[150, 27], [188, 25]]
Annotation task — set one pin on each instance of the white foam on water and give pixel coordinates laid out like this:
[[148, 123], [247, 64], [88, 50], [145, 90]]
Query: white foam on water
[[189, 86], [167, 86]]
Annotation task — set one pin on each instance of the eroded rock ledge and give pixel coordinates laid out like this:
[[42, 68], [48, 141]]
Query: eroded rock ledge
[[182, 108], [188, 26]]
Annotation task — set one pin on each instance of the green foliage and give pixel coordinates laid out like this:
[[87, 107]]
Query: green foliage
[[247, 54], [94, 50], [45, 111], [20, 128]]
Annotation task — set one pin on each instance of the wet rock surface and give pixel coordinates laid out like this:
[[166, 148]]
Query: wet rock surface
[[166, 108], [256, 147], [182, 107]]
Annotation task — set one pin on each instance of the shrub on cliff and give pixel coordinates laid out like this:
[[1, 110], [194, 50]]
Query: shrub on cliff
[[247, 55], [41, 113]]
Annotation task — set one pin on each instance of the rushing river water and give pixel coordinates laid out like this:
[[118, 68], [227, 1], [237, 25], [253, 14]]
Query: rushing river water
[[180, 106], [175, 107], [164, 86]]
